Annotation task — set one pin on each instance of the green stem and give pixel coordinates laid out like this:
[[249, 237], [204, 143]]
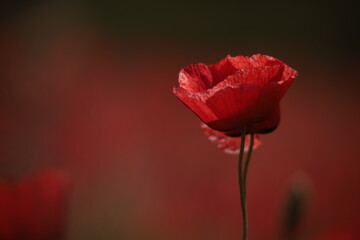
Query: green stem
[[241, 184], [248, 161]]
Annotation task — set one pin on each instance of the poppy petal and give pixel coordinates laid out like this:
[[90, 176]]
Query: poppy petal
[[196, 78], [258, 76], [230, 145], [222, 69], [267, 124], [240, 62], [259, 60], [196, 103], [260, 125], [231, 105]]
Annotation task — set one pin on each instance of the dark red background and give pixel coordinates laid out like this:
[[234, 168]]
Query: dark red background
[[88, 89]]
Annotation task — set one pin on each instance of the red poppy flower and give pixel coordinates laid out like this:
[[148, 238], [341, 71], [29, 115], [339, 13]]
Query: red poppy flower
[[230, 145], [34, 208], [236, 91]]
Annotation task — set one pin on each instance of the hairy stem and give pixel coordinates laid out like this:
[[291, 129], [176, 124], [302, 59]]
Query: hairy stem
[[247, 161], [241, 184]]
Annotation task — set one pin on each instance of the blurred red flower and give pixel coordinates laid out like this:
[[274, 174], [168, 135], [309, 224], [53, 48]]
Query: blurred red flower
[[236, 91], [230, 145], [34, 208]]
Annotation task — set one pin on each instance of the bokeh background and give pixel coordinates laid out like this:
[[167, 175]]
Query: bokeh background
[[86, 88]]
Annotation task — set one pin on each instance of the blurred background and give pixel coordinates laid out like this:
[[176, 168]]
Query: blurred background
[[86, 89]]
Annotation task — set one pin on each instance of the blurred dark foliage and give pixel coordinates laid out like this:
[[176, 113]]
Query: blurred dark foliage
[[326, 27]]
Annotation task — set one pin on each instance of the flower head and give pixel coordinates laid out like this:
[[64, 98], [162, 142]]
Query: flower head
[[236, 91]]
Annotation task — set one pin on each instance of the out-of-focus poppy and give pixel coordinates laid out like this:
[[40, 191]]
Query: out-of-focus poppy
[[34, 208]]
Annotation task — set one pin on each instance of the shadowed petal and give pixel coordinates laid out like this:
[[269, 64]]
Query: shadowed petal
[[267, 124], [232, 104], [261, 125], [222, 69]]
